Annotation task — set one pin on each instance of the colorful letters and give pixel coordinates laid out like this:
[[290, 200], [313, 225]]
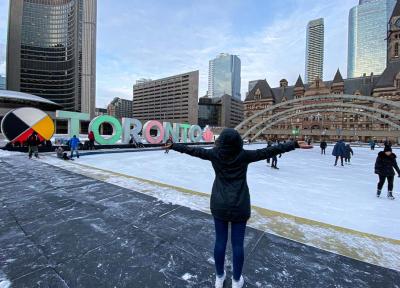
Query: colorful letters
[[178, 132]]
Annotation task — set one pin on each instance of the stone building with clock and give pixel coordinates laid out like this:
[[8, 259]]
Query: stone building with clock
[[333, 125]]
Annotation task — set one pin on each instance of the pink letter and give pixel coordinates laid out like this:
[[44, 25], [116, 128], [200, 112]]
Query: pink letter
[[160, 132]]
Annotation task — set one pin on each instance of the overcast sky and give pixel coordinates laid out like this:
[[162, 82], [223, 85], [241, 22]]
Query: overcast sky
[[156, 38]]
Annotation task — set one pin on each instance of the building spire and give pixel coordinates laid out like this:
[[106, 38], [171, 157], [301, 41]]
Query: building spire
[[396, 10], [299, 82], [338, 77]]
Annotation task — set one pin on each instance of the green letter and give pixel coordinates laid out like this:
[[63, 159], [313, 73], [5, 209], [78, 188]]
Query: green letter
[[73, 120], [170, 130], [95, 125], [185, 128], [192, 134]]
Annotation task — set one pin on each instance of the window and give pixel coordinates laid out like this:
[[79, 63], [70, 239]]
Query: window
[[396, 49], [398, 83]]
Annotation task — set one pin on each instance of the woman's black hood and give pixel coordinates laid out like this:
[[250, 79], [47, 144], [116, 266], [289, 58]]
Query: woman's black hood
[[229, 143]]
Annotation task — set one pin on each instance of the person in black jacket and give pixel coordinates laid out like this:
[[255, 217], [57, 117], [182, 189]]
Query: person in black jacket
[[230, 199], [33, 143], [385, 162], [323, 146], [348, 153]]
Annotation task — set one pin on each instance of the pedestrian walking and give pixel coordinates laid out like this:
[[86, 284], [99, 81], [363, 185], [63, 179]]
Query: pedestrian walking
[[74, 145], [91, 140], [230, 198], [323, 146], [348, 153], [339, 151], [384, 166], [33, 143]]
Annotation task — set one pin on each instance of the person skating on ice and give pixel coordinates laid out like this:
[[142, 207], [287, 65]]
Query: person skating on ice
[[323, 146], [372, 144], [74, 145], [230, 198], [169, 142], [274, 162], [348, 153], [339, 151], [384, 166], [33, 143]]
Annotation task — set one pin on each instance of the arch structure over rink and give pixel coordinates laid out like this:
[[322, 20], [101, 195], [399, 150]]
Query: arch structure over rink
[[379, 109]]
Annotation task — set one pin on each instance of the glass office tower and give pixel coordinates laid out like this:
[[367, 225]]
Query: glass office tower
[[224, 76], [315, 50], [51, 51], [367, 47]]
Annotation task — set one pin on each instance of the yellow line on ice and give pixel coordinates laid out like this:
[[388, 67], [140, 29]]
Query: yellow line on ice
[[263, 211]]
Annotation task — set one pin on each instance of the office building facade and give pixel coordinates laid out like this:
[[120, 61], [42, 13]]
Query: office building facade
[[119, 108], [51, 51], [224, 76], [221, 112], [314, 50], [2, 83], [171, 99], [367, 37]]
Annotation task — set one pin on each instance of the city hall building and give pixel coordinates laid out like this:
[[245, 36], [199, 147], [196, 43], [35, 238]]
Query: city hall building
[[333, 125]]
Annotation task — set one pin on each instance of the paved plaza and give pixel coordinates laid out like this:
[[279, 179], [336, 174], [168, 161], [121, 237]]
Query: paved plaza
[[54, 235]]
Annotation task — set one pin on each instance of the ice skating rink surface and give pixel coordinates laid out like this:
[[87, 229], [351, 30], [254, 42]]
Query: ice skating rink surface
[[306, 185]]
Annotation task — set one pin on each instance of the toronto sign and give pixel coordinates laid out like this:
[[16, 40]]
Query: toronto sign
[[18, 124]]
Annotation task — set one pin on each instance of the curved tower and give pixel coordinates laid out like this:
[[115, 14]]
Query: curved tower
[[51, 51]]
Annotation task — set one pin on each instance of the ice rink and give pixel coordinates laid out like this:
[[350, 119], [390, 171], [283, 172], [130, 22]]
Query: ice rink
[[306, 185]]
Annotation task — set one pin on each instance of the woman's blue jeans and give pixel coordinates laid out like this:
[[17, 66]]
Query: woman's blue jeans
[[237, 238]]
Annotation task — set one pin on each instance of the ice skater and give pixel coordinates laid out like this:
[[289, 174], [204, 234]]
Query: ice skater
[[230, 199], [372, 144], [339, 151], [33, 143], [323, 146], [91, 140], [385, 162], [169, 142], [74, 145], [348, 153]]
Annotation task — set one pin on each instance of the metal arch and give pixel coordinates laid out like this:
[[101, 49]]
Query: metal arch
[[330, 104], [319, 97], [327, 110]]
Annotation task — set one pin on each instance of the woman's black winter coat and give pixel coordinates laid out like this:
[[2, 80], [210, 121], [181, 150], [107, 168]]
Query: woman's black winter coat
[[384, 164], [230, 198]]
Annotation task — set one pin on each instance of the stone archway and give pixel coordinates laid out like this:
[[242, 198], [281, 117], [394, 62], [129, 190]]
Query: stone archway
[[328, 101]]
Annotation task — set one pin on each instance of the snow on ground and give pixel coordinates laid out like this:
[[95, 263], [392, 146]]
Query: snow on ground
[[4, 282], [307, 184]]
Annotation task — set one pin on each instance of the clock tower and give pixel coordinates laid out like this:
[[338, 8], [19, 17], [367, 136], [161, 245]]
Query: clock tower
[[393, 53]]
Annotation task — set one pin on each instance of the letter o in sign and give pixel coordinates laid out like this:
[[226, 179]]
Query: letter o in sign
[[160, 132]]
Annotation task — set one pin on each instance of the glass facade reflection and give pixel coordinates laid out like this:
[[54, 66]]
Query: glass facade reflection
[[51, 51], [367, 48], [224, 76], [48, 51]]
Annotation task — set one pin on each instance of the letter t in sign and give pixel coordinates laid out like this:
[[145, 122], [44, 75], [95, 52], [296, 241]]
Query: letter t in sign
[[185, 128]]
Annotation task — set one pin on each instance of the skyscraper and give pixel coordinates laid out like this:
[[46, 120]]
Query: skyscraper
[[224, 76], [51, 51], [2, 83], [367, 37], [315, 50]]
